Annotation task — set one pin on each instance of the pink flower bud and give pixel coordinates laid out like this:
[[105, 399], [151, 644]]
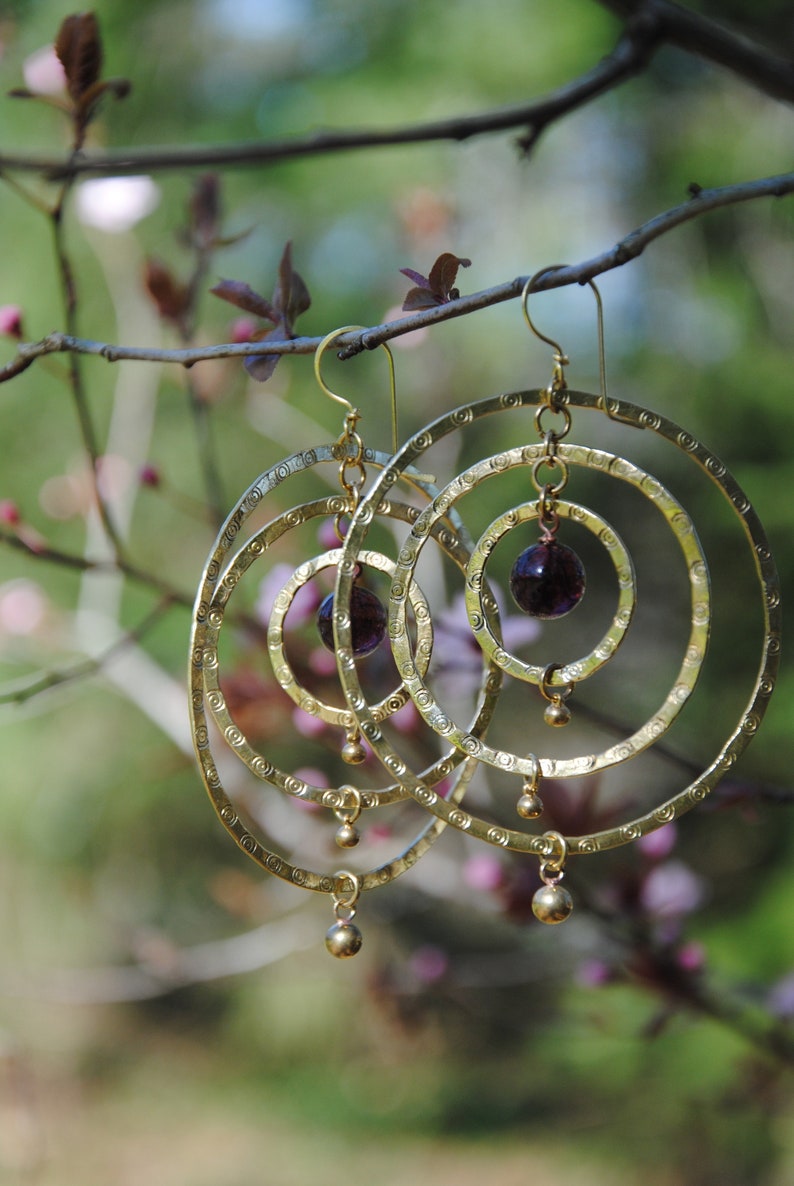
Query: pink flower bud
[[11, 321], [9, 512], [149, 475], [243, 329]]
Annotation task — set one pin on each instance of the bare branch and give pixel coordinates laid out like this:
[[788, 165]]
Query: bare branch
[[702, 202], [698, 35], [650, 24]]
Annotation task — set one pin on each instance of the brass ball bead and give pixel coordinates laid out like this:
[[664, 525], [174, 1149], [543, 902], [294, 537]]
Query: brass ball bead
[[530, 806], [552, 904], [347, 836], [353, 753], [343, 940], [557, 714]]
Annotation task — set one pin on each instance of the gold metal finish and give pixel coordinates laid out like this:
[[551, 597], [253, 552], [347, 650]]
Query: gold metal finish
[[340, 399], [221, 575], [465, 483], [476, 581], [683, 530]]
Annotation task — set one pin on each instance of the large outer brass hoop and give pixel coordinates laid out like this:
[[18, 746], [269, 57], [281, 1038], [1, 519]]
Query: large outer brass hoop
[[765, 571], [219, 578]]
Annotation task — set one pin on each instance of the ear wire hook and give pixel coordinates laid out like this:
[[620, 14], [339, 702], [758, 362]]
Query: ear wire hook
[[340, 399], [560, 358]]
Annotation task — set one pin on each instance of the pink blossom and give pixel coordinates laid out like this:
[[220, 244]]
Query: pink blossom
[[304, 603], [312, 775], [691, 957], [307, 725], [43, 72], [593, 973], [116, 204], [483, 872], [657, 846], [9, 512], [243, 329], [429, 963], [327, 535], [413, 338], [671, 890], [23, 607], [149, 475], [11, 321], [322, 661]]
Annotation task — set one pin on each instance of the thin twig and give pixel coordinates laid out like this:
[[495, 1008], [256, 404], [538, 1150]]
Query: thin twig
[[651, 24], [26, 689], [703, 201]]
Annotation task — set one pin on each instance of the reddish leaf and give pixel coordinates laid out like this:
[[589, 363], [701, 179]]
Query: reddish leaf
[[243, 297], [205, 210], [290, 296], [443, 274], [170, 297], [261, 366], [420, 298], [437, 288], [417, 277], [79, 48]]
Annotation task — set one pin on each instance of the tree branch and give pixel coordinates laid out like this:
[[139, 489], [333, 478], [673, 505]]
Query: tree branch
[[705, 38], [702, 201], [649, 24]]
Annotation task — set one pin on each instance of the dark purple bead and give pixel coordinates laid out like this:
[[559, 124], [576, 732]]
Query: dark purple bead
[[547, 580], [367, 620]]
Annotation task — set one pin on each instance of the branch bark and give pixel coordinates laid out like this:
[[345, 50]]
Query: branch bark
[[702, 201], [649, 24]]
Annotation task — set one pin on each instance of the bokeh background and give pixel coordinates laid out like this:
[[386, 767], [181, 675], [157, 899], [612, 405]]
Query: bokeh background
[[169, 1015]]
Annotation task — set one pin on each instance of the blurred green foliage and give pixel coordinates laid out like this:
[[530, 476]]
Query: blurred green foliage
[[110, 855]]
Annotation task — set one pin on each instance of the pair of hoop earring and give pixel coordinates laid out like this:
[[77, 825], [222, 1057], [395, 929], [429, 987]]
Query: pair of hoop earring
[[547, 581]]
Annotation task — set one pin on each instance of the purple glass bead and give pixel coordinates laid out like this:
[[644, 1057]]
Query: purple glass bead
[[367, 621], [547, 580]]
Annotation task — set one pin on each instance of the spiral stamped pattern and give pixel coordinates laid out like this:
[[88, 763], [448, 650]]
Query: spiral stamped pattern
[[221, 575], [686, 537]]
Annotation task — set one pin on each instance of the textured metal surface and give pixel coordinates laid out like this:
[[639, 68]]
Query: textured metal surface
[[220, 577], [478, 620], [694, 654], [282, 669], [765, 570]]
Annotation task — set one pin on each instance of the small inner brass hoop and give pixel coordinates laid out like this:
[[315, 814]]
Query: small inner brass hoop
[[770, 605], [555, 675], [556, 410], [548, 490], [282, 670]]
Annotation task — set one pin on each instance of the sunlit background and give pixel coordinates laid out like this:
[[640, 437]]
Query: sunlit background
[[169, 1014]]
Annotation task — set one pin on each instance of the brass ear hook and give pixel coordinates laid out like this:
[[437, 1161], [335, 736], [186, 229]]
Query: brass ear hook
[[560, 359], [340, 399]]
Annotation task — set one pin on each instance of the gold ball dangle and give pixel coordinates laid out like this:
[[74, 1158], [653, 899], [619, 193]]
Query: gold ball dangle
[[353, 752], [557, 713], [343, 939], [530, 805], [348, 835], [552, 904]]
